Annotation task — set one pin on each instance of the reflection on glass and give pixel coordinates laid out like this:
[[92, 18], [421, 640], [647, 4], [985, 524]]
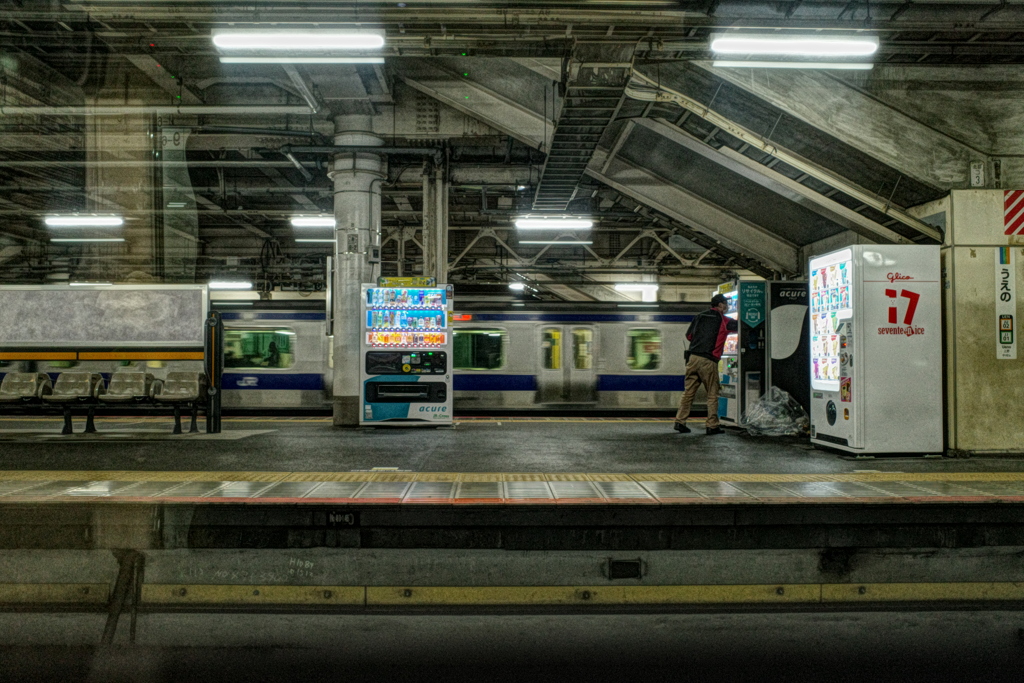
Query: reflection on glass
[[258, 348], [582, 349], [643, 349], [551, 345], [479, 349]]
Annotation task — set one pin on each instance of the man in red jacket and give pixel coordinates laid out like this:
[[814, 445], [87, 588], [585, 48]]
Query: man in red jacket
[[706, 334]]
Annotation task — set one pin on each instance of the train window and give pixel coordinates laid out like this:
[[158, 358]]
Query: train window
[[583, 349], [643, 350], [551, 345], [479, 349], [258, 348]]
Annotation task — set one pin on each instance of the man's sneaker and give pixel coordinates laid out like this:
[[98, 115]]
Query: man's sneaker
[[714, 430], [681, 428]]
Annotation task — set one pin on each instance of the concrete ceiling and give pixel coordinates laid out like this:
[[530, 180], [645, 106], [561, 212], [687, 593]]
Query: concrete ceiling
[[749, 169]]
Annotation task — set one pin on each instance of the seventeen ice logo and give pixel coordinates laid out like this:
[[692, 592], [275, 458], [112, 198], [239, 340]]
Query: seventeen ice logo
[[907, 329]]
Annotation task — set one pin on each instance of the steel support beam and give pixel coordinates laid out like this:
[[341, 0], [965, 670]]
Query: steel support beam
[[776, 182], [159, 75], [475, 100], [884, 133], [665, 197], [651, 90]]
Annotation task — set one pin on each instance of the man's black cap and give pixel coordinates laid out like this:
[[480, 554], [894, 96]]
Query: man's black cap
[[718, 299]]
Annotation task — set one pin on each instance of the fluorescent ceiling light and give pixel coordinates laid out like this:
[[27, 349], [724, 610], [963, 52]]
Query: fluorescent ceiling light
[[87, 239], [323, 241], [176, 205], [224, 284], [570, 243], [83, 221], [648, 291], [637, 305], [301, 60], [859, 66], [554, 223], [517, 286], [805, 45], [313, 222], [312, 40]]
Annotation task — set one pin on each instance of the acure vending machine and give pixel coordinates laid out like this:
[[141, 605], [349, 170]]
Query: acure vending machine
[[407, 348], [876, 349], [742, 366]]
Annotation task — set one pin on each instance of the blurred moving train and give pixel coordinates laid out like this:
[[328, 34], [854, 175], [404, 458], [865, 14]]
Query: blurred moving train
[[600, 357]]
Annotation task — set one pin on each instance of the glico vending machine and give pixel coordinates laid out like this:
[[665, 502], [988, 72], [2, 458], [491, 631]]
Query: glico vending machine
[[741, 369], [407, 343], [876, 349]]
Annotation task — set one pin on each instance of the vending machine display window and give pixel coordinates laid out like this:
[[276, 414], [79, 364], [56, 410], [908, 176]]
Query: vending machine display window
[[831, 292], [406, 318]]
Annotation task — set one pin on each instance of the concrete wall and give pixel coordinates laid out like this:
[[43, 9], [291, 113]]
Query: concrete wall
[[983, 393]]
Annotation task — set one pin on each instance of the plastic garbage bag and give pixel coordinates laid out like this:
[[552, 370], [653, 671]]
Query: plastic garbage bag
[[776, 414]]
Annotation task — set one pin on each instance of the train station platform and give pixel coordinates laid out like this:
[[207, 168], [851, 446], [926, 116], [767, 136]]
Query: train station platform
[[546, 445]]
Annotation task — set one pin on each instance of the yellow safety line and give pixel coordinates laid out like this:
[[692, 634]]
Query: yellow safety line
[[54, 593], [607, 594], [179, 594], [271, 476]]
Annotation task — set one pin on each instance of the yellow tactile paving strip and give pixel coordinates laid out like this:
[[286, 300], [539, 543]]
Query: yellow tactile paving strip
[[360, 596], [395, 476]]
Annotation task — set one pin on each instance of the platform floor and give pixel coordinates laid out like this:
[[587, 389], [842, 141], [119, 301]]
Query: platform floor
[[480, 461], [452, 488], [521, 444]]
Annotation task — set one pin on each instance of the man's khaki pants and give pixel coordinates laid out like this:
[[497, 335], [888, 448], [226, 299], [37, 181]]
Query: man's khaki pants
[[700, 371]]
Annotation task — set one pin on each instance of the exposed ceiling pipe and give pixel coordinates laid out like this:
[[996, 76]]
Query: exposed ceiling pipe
[[184, 110], [434, 152]]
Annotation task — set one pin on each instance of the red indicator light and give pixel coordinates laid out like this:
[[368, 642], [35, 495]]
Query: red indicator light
[[462, 317]]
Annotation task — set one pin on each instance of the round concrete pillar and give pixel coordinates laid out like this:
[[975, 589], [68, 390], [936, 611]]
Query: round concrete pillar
[[357, 177]]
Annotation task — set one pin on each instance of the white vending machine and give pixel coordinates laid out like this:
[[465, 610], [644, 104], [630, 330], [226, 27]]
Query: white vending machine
[[406, 351], [876, 349]]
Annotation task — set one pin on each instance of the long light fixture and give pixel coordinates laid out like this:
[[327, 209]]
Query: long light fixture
[[312, 40], [301, 60], [793, 45], [734, 64], [73, 221], [554, 223], [568, 243], [226, 284], [313, 241], [648, 291], [87, 239], [313, 222], [517, 286]]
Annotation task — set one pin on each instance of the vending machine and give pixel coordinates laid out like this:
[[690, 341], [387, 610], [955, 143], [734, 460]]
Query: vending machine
[[741, 369], [876, 349], [406, 351], [789, 351]]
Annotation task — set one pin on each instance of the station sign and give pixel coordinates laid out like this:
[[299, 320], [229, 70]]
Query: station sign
[[406, 282]]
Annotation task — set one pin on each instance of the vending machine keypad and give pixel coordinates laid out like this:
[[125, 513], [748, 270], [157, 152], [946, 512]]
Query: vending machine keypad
[[406, 362]]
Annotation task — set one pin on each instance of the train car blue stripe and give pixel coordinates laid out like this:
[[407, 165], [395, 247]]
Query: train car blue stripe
[[264, 315], [474, 382], [235, 381], [640, 382], [581, 318]]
